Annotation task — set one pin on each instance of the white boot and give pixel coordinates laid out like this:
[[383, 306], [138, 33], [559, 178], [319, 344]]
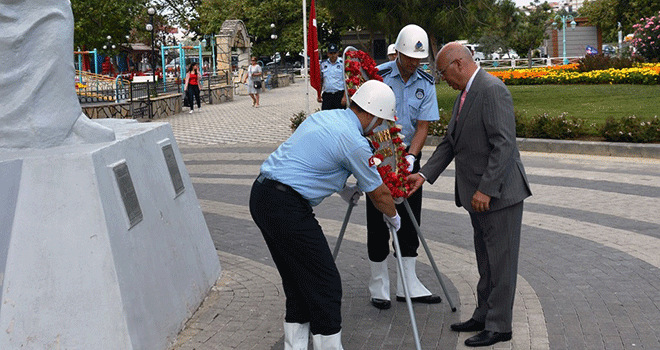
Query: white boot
[[296, 336], [327, 342], [416, 287], [379, 284]]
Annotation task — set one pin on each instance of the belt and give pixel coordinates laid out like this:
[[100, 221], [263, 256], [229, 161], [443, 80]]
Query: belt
[[262, 179], [333, 93]]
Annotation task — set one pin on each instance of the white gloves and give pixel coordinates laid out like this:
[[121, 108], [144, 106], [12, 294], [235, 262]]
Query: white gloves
[[411, 162], [394, 221], [351, 194]]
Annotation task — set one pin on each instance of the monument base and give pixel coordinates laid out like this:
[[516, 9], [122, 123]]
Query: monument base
[[102, 246]]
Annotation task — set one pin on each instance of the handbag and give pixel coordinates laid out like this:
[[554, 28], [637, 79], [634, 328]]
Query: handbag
[[257, 84], [186, 100]]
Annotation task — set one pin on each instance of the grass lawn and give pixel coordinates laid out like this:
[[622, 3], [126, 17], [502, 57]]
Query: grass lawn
[[593, 103]]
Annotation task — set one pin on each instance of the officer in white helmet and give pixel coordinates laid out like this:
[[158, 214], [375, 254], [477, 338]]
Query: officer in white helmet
[[312, 164], [416, 107], [391, 52]]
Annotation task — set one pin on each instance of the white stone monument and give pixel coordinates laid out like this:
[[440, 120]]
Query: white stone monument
[[103, 244]]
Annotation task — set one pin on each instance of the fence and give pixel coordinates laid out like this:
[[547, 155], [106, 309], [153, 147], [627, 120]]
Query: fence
[[521, 63], [141, 96]]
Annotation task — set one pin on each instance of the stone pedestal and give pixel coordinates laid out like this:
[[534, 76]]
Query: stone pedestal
[[102, 246]]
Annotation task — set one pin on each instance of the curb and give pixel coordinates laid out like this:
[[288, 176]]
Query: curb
[[611, 149]]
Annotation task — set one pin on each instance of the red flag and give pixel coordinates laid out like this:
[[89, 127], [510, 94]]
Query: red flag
[[313, 52]]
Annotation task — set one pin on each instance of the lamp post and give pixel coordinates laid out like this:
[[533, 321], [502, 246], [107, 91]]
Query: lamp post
[[150, 27], [109, 45], [564, 18], [273, 36], [212, 37]]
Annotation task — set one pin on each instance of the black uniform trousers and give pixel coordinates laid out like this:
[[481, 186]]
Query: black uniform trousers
[[332, 100], [310, 278], [378, 234]]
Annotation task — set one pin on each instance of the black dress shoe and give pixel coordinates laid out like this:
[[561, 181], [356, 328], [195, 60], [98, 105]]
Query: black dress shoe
[[468, 326], [427, 299], [381, 303], [487, 338]]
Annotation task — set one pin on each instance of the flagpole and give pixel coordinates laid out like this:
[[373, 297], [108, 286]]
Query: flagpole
[[304, 12]]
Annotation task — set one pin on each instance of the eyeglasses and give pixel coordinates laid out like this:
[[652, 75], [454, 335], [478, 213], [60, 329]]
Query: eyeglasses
[[442, 72]]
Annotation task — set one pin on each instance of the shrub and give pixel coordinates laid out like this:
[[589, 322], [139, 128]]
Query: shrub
[[601, 62], [646, 38], [439, 128], [522, 123], [297, 119], [547, 127], [631, 129]]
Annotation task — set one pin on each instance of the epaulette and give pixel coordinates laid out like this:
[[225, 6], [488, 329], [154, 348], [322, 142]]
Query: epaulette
[[426, 76], [384, 72]]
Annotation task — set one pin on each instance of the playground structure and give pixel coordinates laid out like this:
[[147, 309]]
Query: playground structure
[[101, 88], [138, 96], [182, 60]]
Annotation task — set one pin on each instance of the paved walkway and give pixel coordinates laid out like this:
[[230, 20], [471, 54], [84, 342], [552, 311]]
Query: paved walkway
[[588, 276]]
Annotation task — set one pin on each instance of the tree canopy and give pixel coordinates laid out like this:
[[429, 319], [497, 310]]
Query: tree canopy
[[606, 14], [95, 20], [531, 28]]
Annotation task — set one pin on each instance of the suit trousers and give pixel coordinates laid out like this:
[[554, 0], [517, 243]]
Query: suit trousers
[[497, 244], [311, 281], [378, 234]]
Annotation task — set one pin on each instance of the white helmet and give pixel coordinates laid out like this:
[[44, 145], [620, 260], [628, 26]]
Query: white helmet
[[391, 50], [413, 41], [377, 98]]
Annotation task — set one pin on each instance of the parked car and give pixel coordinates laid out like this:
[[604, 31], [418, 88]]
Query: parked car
[[476, 54], [499, 55], [608, 50]]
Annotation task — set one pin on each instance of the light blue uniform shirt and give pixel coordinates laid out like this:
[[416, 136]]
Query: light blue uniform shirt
[[321, 154], [333, 75], [415, 99]]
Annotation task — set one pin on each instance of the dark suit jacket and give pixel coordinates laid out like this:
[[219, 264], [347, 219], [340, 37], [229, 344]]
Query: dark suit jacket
[[483, 144]]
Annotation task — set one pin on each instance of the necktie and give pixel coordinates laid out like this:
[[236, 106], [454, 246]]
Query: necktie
[[460, 106]]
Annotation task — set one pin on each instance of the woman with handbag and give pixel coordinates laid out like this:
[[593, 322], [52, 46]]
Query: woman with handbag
[[192, 86], [253, 80]]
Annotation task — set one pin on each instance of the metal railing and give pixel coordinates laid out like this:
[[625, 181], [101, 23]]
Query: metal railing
[[92, 88], [521, 63], [102, 89]]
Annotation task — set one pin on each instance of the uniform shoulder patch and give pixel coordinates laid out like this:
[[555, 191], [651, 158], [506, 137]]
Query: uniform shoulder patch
[[384, 72], [426, 76]]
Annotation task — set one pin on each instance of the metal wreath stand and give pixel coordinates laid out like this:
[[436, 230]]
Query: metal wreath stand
[[395, 239]]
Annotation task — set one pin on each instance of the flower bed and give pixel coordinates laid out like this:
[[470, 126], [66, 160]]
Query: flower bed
[[647, 74]]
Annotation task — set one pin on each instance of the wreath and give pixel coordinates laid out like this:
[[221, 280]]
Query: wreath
[[389, 149]]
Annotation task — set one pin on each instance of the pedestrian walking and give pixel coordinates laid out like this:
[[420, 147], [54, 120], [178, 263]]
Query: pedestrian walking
[[191, 86], [253, 79]]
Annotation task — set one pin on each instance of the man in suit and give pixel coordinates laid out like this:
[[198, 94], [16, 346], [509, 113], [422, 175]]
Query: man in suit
[[490, 184]]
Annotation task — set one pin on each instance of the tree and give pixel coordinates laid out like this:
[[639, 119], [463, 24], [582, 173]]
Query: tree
[[499, 22], [94, 20], [607, 14], [450, 18], [181, 13], [531, 29], [258, 16]]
